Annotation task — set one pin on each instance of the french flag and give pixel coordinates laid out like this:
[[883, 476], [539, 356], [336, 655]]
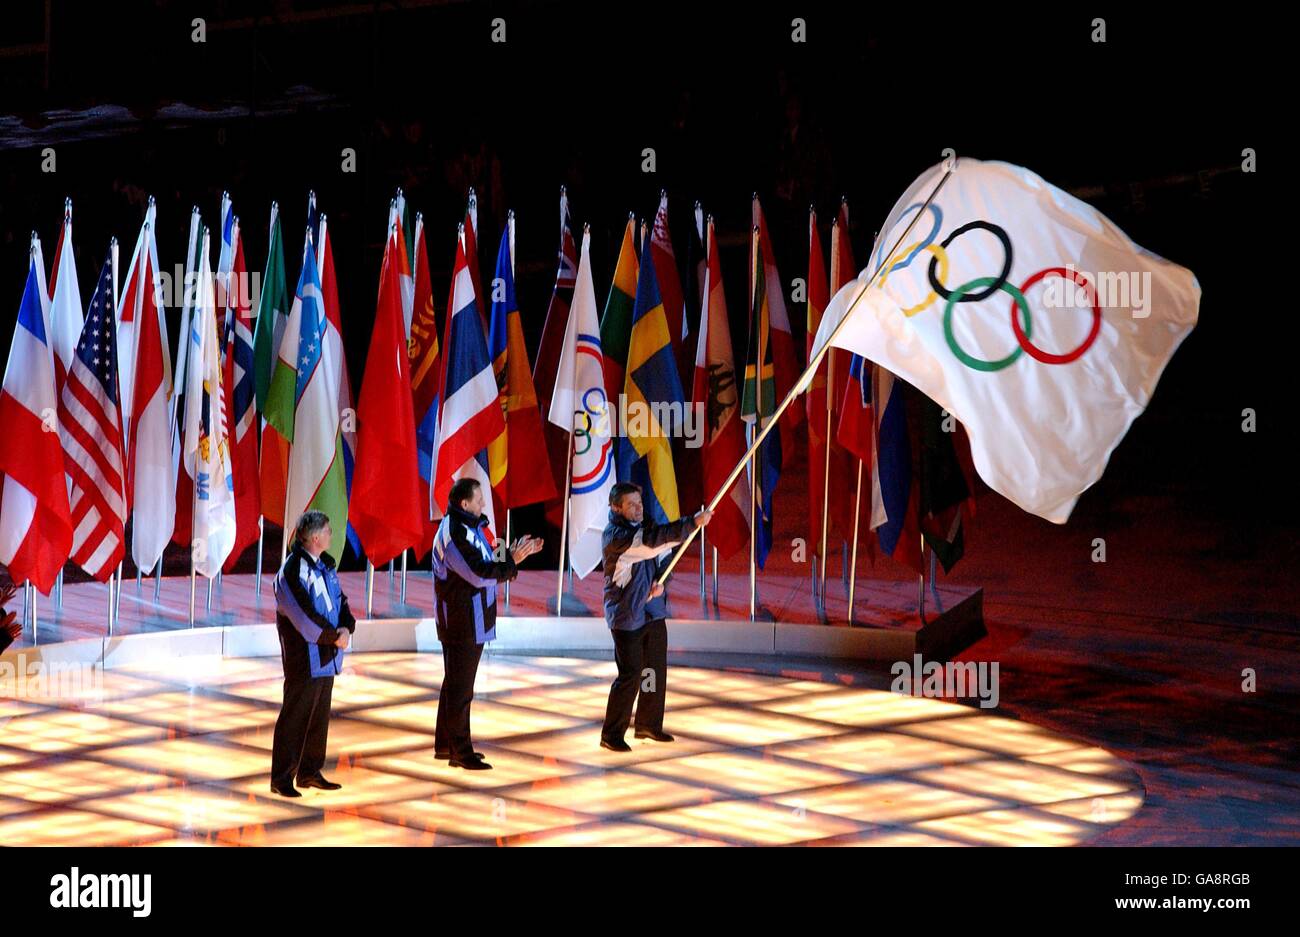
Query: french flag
[[471, 409], [35, 522]]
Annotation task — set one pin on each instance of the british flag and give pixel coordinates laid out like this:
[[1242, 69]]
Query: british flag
[[91, 424]]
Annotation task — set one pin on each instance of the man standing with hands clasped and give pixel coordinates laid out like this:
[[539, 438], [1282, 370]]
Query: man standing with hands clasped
[[315, 625], [465, 577], [635, 612]]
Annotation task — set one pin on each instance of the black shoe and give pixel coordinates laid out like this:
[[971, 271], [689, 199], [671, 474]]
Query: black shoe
[[472, 763], [445, 755], [287, 790], [615, 745], [319, 782], [657, 735]]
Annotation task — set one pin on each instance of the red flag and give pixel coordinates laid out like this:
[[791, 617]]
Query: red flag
[[386, 509], [854, 423], [715, 385]]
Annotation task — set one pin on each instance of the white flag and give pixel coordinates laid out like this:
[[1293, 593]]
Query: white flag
[[578, 404], [1027, 315], [207, 450]]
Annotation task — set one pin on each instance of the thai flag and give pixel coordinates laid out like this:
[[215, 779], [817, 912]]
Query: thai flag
[[35, 528], [471, 409]]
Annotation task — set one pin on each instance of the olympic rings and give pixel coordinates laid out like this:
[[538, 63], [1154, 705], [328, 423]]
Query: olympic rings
[[915, 249], [942, 256], [1023, 337], [995, 284], [979, 364]]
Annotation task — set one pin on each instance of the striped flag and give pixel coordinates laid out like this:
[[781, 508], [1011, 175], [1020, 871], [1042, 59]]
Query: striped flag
[[206, 440], [35, 527], [715, 385], [150, 477], [548, 353], [268, 334], [342, 380], [670, 283], [511, 454], [302, 404], [183, 528], [758, 401], [471, 410], [785, 362], [91, 427], [652, 388], [422, 349], [241, 399], [616, 323], [579, 406], [894, 499]]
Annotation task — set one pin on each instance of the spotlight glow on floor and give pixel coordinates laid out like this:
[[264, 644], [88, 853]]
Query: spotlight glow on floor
[[164, 757]]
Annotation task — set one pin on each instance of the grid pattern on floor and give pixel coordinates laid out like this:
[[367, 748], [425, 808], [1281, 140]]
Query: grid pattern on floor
[[165, 755]]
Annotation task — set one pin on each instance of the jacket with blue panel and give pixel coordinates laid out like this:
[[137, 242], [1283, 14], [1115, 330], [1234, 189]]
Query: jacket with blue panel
[[633, 555], [310, 608], [465, 577]]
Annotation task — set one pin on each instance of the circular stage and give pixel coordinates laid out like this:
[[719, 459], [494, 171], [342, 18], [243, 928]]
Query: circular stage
[[178, 753]]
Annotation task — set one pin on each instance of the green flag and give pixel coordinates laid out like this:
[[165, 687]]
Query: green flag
[[272, 313]]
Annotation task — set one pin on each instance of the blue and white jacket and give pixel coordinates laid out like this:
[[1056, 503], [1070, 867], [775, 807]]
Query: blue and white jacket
[[465, 577], [310, 608]]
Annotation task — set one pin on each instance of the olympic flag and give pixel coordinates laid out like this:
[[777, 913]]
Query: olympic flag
[[1027, 315], [578, 404]]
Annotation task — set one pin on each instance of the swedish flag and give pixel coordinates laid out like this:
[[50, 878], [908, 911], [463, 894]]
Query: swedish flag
[[653, 400]]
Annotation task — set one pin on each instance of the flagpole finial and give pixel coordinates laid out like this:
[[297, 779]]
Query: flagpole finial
[[460, 228], [471, 191], [812, 208], [756, 229], [311, 194], [564, 190], [844, 199], [399, 191], [697, 204], [835, 222], [419, 218], [709, 218], [392, 202], [152, 200], [586, 227], [234, 219], [275, 206], [225, 194], [67, 203], [754, 197], [663, 194], [194, 210], [510, 215], [323, 217], [112, 242]]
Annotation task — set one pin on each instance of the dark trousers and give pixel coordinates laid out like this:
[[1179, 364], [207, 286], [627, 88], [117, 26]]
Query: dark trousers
[[459, 667], [301, 730], [635, 653]]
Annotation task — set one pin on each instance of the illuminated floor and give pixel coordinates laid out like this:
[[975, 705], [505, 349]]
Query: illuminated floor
[[163, 757]]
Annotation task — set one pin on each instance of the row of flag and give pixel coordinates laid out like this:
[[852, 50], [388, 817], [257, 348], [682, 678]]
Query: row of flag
[[256, 423]]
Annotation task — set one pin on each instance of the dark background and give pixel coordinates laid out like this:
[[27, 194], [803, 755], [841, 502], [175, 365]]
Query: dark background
[[1149, 126]]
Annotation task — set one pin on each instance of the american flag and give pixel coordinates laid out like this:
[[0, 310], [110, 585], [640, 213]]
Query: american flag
[[91, 423]]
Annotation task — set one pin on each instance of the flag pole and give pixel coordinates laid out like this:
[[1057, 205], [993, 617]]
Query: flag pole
[[801, 383], [157, 583], [704, 556], [753, 537], [506, 590], [715, 577], [117, 596], [110, 604], [826, 472], [564, 526], [261, 535], [35, 635], [58, 590], [853, 561], [370, 589], [920, 585], [402, 599]]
